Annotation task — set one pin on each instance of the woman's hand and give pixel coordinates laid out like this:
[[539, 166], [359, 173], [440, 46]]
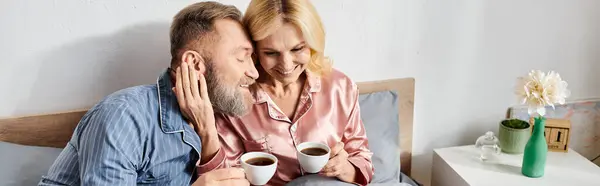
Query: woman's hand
[[193, 100], [192, 96], [339, 166]]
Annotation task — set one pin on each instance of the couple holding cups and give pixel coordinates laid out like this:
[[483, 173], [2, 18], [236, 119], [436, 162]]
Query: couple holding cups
[[260, 166], [286, 92]]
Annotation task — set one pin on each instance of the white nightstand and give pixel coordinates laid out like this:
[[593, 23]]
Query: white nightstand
[[458, 166]]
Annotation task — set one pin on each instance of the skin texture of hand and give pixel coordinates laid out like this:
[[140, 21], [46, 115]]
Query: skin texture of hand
[[339, 166], [223, 177], [194, 103]]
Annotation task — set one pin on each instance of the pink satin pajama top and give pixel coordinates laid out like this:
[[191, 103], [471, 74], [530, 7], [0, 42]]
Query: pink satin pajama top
[[328, 112]]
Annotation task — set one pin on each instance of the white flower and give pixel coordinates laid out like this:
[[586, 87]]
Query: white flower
[[538, 90]]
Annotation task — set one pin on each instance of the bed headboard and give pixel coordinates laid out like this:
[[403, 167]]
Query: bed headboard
[[46, 130], [55, 130]]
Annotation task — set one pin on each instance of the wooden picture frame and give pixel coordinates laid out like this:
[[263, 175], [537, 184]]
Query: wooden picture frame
[[557, 133]]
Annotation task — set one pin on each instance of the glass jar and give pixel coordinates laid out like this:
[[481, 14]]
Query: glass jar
[[488, 146]]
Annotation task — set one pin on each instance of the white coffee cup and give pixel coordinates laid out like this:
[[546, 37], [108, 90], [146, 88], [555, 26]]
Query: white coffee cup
[[312, 163], [258, 173]]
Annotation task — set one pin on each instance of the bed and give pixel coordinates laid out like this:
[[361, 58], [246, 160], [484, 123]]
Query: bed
[[385, 105]]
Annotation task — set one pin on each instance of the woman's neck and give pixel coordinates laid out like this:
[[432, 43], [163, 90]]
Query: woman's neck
[[279, 89]]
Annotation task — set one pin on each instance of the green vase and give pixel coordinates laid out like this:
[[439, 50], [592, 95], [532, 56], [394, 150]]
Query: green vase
[[536, 150]]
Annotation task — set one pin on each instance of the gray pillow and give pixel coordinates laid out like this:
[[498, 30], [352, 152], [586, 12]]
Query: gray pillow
[[24, 165], [379, 113]]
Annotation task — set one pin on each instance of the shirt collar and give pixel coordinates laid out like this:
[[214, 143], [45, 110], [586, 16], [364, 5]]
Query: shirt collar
[[171, 119], [314, 85]]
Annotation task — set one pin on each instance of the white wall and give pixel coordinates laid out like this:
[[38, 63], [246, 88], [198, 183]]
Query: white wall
[[469, 52], [465, 55]]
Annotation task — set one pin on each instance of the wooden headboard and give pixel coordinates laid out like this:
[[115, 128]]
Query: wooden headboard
[[55, 130], [47, 130]]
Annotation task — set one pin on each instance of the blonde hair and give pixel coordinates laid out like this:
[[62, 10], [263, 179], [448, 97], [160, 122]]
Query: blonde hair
[[263, 17]]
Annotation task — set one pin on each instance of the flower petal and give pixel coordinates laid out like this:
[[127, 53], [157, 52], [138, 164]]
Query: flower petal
[[541, 111], [539, 90], [531, 110]]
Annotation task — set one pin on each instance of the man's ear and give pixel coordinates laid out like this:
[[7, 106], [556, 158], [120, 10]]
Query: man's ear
[[188, 57], [195, 59]]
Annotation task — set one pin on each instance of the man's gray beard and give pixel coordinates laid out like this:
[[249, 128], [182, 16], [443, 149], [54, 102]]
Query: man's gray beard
[[225, 99]]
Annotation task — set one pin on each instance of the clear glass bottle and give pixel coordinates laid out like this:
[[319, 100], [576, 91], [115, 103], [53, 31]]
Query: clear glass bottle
[[488, 146]]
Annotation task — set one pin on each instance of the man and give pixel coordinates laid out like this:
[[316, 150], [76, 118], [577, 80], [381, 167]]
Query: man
[[140, 136]]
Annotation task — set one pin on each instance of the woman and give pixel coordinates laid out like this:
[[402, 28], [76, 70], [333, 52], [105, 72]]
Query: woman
[[298, 98]]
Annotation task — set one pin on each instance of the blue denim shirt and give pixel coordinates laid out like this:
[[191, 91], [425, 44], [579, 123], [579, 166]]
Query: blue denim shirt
[[135, 136]]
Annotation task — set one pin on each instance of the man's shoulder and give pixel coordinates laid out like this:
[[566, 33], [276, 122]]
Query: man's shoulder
[[132, 94], [133, 102], [126, 109], [136, 96]]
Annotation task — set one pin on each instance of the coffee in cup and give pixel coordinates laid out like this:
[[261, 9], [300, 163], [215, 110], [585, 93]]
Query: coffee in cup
[[259, 167], [313, 156], [260, 161], [314, 151]]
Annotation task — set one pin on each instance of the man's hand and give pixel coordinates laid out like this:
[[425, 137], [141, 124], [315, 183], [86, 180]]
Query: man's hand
[[222, 177], [338, 165], [192, 96]]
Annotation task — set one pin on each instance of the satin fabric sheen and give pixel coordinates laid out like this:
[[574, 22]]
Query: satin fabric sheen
[[328, 112]]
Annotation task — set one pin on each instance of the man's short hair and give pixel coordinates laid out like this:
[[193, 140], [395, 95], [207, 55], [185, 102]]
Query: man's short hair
[[193, 27]]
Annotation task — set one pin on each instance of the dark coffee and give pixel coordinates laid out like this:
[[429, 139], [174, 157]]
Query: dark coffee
[[314, 151], [260, 161]]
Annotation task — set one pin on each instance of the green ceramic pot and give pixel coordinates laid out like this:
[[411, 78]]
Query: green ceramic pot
[[512, 140]]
